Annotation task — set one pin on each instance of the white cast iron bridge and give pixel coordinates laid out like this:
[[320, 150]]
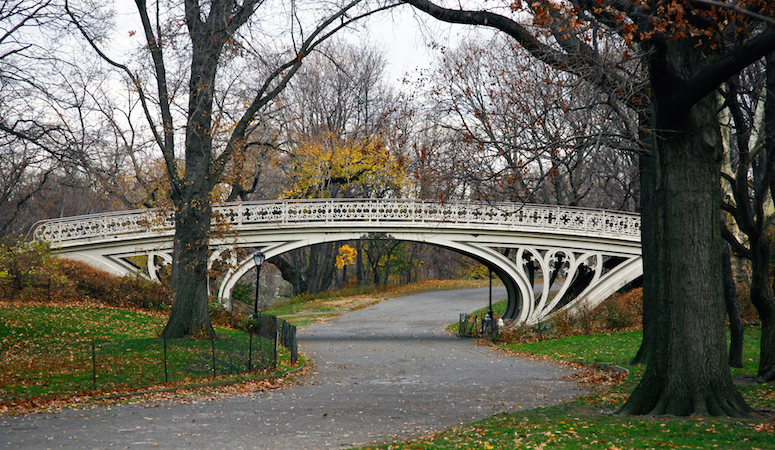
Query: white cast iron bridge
[[550, 258]]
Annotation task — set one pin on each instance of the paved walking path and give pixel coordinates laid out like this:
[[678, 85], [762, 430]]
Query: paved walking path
[[387, 372]]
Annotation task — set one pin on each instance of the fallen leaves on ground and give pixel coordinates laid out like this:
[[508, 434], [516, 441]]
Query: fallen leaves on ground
[[598, 378], [164, 393], [766, 427]]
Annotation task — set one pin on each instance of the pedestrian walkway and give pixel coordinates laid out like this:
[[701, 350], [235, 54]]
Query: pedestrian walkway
[[387, 372]]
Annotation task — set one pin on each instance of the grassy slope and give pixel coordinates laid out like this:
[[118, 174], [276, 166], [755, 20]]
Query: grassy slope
[[46, 354]]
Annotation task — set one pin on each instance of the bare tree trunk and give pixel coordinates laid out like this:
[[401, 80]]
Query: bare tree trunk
[[687, 370], [765, 305], [291, 273], [359, 262], [648, 244], [190, 315], [733, 310], [325, 267]]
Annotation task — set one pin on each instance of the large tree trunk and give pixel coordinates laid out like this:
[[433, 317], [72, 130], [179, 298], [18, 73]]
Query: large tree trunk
[[687, 371], [190, 315], [190, 311]]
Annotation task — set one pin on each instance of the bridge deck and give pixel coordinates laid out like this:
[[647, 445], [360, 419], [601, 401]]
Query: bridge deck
[[74, 231]]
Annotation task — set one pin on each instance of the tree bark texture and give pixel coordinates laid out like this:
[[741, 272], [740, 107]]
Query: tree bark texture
[[649, 243], [687, 371], [190, 315]]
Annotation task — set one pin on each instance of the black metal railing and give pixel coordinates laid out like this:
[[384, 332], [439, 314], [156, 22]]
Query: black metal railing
[[100, 366]]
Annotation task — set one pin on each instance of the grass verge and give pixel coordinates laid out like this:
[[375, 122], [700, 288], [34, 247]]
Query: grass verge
[[53, 355]]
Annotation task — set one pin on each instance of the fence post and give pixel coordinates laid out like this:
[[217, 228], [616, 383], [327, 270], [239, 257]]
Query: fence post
[[250, 350], [166, 373], [294, 347], [276, 342], [93, 366], [212, 346]]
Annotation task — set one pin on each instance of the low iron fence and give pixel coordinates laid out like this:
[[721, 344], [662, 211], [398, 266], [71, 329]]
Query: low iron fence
[[477, 325], [73, 368]]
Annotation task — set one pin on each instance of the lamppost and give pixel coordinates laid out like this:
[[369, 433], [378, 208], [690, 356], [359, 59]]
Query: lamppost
[[258, 258], [490, 310], [488, 324]]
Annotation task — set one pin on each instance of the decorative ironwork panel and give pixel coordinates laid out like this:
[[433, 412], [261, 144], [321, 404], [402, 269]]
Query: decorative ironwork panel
[[290, 213]]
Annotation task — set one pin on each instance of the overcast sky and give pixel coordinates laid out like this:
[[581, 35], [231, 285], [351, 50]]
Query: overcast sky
[[401, 33]]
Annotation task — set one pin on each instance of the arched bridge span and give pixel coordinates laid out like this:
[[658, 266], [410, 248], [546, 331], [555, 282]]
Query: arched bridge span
[[549, 257]]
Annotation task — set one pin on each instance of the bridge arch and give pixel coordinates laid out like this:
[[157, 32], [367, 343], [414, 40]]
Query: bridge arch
[[516, 285], [601, 248]]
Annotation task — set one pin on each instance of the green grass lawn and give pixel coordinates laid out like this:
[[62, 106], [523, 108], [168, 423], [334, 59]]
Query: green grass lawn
[[589, 423], [53, 351]]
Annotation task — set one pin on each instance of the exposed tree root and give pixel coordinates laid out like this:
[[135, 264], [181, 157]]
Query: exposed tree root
[[720, 402]]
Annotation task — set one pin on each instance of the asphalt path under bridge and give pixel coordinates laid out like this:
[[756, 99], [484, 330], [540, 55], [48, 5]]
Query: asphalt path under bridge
[[384, 373]]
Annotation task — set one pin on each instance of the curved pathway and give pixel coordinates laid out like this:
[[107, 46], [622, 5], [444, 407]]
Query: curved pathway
[[387, 372]]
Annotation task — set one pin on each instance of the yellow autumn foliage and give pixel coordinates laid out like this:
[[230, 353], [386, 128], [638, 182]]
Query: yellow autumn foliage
[[320, 165], [346, 256]]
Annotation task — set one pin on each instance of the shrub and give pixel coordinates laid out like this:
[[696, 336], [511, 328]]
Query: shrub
[[32, 274], [621, 311], [564, 323], [243, 292], [125, 292], [25, 265], [516, 333]]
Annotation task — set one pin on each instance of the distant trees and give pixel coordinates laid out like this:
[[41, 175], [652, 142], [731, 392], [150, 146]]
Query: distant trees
[[336, 142], [521, 131], [45, 128]]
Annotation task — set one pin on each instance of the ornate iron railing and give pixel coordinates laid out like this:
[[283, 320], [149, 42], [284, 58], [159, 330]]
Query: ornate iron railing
[[77, 230]]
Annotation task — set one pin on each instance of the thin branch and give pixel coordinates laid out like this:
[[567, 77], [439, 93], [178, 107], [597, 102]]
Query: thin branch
[[285, 72], [736, 9], [143, 99]]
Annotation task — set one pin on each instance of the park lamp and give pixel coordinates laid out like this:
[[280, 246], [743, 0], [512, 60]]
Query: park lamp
[[258, 258]]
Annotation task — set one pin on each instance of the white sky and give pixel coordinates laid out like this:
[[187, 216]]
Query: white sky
[[404, 35], [398, 33]]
